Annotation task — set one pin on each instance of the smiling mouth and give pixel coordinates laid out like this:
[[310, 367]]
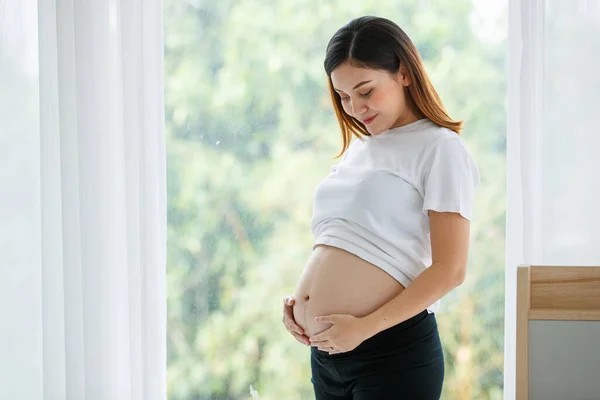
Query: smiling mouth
[[369, 120]]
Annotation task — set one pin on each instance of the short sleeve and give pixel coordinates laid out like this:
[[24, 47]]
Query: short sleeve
[[450, 177]]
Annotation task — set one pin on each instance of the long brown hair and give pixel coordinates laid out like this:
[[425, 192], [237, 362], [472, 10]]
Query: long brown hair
[[378, 43]]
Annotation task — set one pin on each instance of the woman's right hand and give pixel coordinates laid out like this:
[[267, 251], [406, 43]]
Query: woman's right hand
[[290, 322]]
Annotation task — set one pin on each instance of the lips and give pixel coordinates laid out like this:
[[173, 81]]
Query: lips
[[369, 120]]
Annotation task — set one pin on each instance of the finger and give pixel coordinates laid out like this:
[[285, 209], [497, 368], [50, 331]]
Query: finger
[[288, 311], [290, 322], [291, 326], [320, 338], [296, 329], [302, 339], [289, 301], [299, 336]]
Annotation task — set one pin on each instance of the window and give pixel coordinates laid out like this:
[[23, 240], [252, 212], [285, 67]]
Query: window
[[251, 132]]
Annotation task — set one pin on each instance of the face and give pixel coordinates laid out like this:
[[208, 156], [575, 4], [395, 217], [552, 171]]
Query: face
[[375, 98]]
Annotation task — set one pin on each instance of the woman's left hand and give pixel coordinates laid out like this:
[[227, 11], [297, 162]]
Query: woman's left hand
[[345, 334]]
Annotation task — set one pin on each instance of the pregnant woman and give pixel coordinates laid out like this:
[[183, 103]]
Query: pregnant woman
[[391, 223]]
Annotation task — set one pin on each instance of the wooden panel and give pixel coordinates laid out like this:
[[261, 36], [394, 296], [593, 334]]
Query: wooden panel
[[550, 314], [576, 288], [523, 305]]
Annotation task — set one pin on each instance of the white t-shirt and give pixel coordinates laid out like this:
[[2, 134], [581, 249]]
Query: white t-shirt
[[374, 202]]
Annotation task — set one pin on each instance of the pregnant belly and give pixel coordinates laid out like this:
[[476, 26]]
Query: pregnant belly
[[335, 281]]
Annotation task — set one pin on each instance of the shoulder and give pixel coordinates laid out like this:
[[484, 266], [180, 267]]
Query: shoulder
[[447, 155], [417, 139], [438, 136], [418, 148], [438, 140]]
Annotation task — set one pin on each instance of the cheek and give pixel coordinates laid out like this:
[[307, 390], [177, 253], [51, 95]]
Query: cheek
[[346, 107], [379, 101], [387, 102]]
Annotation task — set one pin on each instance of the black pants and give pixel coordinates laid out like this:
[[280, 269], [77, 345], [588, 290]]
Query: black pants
[[403, 362]]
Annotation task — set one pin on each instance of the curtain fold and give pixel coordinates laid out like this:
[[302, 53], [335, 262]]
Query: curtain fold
[[553, 187], [90, 186]]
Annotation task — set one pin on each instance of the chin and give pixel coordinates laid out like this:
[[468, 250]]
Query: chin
[[374, 131]]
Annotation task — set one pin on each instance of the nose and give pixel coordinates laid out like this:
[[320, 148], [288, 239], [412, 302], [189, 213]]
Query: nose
[[358, 108]]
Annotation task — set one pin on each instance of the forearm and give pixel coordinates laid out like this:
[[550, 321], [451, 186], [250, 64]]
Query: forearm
[[430, 286]]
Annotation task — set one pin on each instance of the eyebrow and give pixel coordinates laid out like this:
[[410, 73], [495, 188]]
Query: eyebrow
[[355, 87]]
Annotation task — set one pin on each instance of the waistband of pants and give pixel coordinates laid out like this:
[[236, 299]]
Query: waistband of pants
[[405, 334]]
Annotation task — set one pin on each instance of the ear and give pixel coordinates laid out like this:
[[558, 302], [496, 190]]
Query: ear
[[402, 76]]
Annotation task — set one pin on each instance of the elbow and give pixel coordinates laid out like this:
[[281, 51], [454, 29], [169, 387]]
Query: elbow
[[456, 274], [460, 274]]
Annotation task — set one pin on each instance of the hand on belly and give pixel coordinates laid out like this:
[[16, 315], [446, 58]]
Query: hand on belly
[[335, 281], [305, 311]]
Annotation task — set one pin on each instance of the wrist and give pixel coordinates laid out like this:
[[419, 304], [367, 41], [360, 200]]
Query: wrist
[[371, 325]]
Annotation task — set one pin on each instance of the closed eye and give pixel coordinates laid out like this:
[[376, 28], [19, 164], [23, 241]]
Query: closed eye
[[367, 94]]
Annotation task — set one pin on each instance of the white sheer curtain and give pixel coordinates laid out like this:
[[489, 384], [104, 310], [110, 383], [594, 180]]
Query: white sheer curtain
[[553, 163], [82, 200]]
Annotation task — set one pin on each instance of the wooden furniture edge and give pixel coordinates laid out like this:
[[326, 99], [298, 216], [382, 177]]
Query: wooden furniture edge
[[522, 345], [554, 314]]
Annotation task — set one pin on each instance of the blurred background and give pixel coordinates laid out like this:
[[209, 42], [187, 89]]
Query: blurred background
[[250, 133]]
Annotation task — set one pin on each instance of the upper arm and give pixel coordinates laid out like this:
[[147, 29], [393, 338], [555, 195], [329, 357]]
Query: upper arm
[[450, 177], [450, 236]]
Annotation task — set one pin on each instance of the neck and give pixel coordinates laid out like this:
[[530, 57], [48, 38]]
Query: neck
[[408, 118]]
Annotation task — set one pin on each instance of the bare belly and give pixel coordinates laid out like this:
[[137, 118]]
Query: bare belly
[[335, 281]]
